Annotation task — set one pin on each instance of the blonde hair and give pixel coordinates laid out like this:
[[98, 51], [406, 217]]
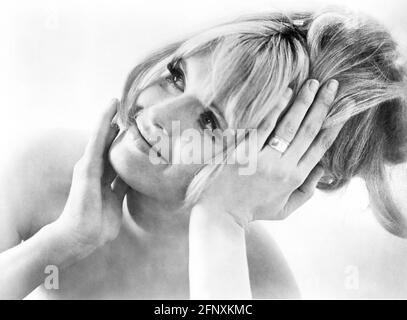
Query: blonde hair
[[255, 58]]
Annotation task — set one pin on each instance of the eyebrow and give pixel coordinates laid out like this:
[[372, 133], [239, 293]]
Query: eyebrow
[[213, 106]]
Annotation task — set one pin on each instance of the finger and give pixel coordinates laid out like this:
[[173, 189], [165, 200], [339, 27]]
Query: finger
[[120, 188], [108, 172], [304, 192], [104, 132], [269, 123], [320, 145], [313, 121], [289, 125], [310, 183]]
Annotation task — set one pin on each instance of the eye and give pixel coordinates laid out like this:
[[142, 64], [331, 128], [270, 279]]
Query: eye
[[207, 120], [176, 77]]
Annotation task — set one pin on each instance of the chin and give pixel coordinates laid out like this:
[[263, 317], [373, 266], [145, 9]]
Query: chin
[[135, 169]]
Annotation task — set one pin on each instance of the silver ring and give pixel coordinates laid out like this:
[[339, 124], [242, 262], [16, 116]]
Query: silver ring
[[278, 144]]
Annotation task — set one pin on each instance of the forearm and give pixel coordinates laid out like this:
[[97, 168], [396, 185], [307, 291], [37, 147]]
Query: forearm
[[22, 267], [218, 266]]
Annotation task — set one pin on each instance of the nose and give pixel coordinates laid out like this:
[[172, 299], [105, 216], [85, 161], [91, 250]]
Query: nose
[[161, 116]]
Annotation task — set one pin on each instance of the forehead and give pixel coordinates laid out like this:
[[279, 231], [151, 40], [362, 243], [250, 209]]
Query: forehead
[[198, 70], [198, 65]]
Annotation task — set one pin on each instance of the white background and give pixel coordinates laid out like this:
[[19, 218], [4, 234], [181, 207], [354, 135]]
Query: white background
[[60, 61]]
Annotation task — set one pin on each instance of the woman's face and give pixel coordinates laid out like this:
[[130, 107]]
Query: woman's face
[[173, 101]]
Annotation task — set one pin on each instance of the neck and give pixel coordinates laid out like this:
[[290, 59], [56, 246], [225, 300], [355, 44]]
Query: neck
[[160, 220]]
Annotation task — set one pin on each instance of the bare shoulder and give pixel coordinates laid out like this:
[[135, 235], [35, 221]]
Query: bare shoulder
[[270, 274], [36, 176]]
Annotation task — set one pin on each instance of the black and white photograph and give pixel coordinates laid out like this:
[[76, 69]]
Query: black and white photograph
[[211, 150]]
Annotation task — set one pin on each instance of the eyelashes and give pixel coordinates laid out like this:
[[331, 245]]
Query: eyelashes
[[176, 76], [207, 120]]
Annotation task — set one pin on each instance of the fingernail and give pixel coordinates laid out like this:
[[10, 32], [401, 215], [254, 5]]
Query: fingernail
[[332, 85], [313, 85], [288, 92], [114, 120], [114, 125]]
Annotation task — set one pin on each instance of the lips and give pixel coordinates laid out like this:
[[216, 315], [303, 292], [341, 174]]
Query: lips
[[141, 135], [142, 143]]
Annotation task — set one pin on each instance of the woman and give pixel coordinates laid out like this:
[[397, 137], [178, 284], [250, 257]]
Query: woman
[[187, 229]]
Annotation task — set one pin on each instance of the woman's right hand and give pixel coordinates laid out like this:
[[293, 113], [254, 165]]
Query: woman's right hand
[[283, 181], [93, 212]]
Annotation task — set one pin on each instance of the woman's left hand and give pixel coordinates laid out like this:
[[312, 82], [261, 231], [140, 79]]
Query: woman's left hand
[[93, 212], [282, 181]]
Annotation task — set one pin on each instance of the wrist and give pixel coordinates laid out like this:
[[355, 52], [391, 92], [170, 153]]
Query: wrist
[[217, 255], [59, 247], [218, 213], [211, 216]]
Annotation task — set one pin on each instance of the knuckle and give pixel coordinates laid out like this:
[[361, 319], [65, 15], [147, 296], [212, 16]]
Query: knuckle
[[270, 120], [277, 109], [307, 98], [311, 130], [268, 124], [296, 179], [326, 99], [308, 194], [290, 128], [288, 178], [87, 168], [280, 175], [326, 142]]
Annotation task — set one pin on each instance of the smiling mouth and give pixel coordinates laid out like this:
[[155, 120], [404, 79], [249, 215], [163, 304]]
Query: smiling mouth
[[147, 144], [140, 134]]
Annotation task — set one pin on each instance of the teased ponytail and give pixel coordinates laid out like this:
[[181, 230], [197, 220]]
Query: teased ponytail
[[363, 57]]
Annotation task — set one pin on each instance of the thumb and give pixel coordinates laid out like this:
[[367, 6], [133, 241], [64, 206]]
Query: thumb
[[304, 192]]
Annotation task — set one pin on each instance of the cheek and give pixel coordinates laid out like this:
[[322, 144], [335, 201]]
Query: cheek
[[198, 150], [153, 94]]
